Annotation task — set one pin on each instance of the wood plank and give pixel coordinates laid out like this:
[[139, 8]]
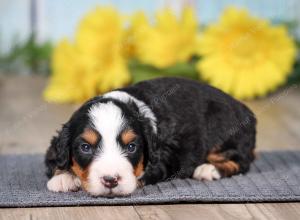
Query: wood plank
[[282, 210], [67, 213], [264, 211], [291, 114], [27, 121], [195, 211], [165, 212], [278, 121]]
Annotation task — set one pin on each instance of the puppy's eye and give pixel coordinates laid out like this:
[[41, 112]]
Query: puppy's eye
[[131, 147], [85, 148]]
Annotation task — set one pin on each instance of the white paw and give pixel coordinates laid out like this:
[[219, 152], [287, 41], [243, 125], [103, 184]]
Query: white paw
[[206, 172], [63, 182]]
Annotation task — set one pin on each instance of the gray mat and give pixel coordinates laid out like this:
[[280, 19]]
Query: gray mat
[[275, 176]]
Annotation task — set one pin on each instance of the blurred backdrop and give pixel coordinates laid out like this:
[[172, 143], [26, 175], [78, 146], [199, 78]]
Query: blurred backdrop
[[54, 19], [56, 53], [155, 38]]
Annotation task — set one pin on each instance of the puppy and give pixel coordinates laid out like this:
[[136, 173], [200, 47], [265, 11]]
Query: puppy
[[150, 132]]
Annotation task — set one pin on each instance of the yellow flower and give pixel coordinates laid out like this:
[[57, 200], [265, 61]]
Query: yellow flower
[[115, 75], [71, 79], [245, 56], [101, 38], [94, 63], [100, 35], [168, 41]]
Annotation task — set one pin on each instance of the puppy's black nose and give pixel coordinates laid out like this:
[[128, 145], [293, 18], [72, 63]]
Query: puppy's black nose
[[110, 181]]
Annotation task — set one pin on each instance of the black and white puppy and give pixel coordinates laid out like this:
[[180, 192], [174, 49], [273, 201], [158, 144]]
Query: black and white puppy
[[150, 132]]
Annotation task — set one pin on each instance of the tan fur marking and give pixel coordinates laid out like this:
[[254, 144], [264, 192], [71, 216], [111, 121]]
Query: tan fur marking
[[90, 136], [214, 157], [128, 136], [138, 170], [81, 173], [225, 166]]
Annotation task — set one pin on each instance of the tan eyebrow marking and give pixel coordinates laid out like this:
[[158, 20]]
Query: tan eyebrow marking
[[90, 136], [128, 136]]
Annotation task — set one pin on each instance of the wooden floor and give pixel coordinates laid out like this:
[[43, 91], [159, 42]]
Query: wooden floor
[[27, 124]]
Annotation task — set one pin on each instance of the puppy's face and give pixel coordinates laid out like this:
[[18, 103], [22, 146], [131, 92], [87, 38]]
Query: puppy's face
[[107, 148]]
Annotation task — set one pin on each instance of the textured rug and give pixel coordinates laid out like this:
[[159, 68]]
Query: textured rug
[[274, 176]]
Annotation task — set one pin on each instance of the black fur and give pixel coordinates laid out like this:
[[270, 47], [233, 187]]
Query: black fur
[[193, 119], [58, 154]]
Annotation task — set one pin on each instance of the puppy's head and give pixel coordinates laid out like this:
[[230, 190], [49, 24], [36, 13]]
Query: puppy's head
[[105, 146]]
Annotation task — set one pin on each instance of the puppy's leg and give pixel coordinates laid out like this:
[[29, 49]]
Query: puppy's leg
[[63, 181], [219, 165], [164, 166], [206, 172], [230, 162], [223, 164], [234, 156]]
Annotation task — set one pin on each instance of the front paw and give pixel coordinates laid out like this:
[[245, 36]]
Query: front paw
[[63, 182]]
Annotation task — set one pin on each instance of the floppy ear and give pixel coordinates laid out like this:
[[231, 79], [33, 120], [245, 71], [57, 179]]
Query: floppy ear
[[149, 136], [150, 152], [162, 158], [58, 154]]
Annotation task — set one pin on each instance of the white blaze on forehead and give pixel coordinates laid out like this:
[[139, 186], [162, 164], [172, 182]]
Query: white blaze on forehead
[[107, 119], [144, 109], [111, 160]]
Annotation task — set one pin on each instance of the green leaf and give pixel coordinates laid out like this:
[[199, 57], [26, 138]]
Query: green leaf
[[29, 54], [140, 71]]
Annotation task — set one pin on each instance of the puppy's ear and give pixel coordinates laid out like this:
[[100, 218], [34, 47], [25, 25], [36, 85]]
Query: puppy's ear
[[151, 141], [58, 154]]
